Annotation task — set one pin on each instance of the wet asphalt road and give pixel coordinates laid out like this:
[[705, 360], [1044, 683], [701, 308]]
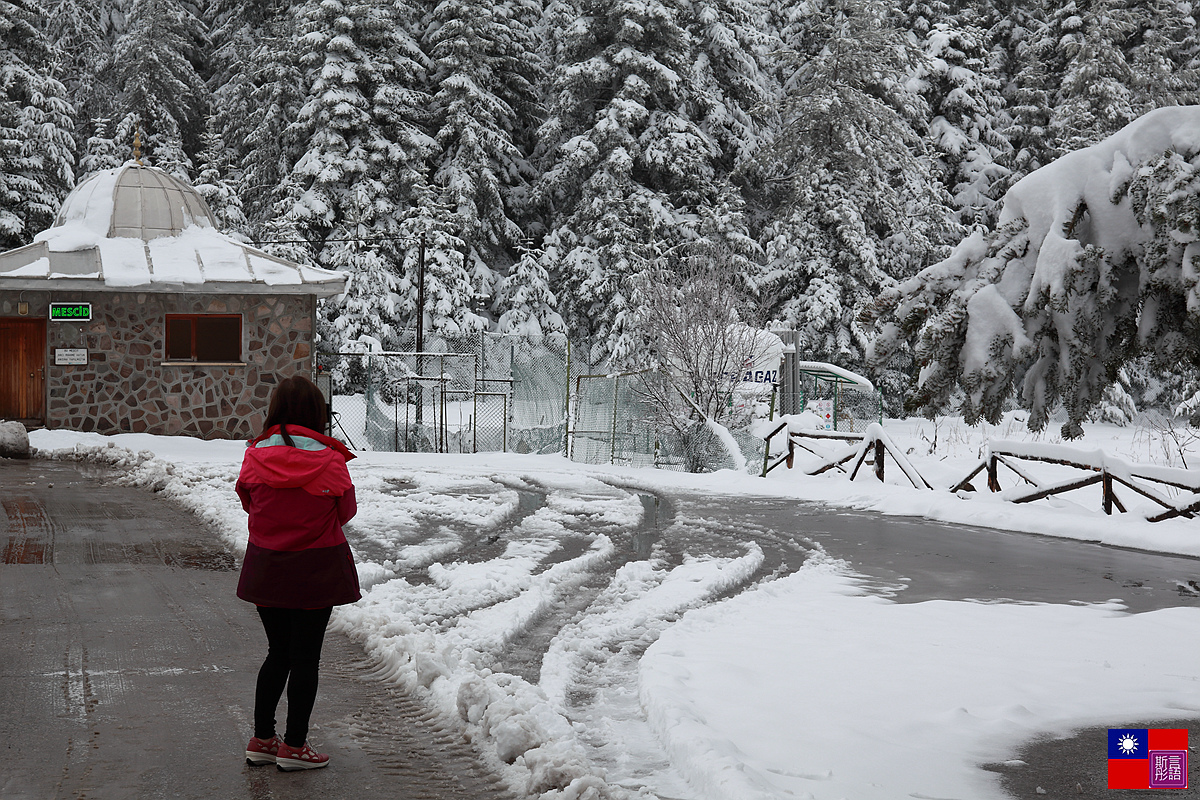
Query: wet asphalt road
[[934, 561], [127, 665]]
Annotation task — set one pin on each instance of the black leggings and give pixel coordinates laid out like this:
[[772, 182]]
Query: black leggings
[[294, 638]]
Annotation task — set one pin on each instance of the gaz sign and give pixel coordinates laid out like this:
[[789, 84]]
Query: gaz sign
[[70, 312]]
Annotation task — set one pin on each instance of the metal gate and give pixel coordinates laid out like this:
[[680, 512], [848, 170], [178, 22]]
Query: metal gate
[[429, 402]]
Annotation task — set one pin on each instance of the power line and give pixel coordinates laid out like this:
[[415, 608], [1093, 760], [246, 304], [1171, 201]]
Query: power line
[[346, 239]]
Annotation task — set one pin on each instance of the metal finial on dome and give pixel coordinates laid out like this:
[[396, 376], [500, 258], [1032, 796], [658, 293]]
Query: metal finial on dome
[[137, 145]]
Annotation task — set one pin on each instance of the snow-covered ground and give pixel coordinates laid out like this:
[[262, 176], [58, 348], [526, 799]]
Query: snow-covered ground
[[809, 684]]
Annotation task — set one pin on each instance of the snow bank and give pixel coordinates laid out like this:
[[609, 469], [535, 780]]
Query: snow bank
[[925, 691]]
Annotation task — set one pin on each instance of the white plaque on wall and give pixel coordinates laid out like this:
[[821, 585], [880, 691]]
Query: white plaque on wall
[[70, 355]]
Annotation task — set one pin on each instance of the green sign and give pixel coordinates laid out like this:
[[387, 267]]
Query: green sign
[[71, 312]]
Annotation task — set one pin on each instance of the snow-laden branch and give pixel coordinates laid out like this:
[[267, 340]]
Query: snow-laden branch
[[1091, 262]]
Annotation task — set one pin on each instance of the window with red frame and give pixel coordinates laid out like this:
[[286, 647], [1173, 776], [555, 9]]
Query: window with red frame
[[204, 337]]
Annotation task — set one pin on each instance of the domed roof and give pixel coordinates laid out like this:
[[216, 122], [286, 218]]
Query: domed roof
[[138, 227], [135, 201]]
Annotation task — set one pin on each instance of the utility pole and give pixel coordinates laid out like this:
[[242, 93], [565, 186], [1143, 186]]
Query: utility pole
[[421, 297], [420, 329]]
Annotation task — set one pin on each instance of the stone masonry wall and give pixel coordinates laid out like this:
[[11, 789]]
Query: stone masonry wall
[[127, 388]]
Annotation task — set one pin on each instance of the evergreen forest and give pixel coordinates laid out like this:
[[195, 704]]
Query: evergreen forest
[[543, 156]]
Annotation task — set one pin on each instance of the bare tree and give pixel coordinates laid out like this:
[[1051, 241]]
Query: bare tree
[[696, 349]]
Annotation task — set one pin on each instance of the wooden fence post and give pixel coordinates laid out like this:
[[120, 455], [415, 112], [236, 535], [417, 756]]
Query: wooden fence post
[[993, 481], [879, 448], [1108, 492]]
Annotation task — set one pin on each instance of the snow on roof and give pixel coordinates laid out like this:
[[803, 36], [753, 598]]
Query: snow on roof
[[139, 227], [831, 372]]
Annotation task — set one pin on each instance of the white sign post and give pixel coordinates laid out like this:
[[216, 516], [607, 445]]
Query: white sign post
[[824, 410]]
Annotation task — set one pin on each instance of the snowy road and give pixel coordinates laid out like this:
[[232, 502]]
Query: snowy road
[[934, 561], [564, 582]]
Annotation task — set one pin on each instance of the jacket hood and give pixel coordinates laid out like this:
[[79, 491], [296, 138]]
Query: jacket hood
[[299, 430], [319, 471]]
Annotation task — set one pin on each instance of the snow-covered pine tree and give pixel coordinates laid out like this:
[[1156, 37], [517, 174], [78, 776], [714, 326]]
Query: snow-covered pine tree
[[283, 235], [82, 62], [862, 207], [363, 156], [483, 71], [1164, 194], [1096, 88], [966, 112], [101, 151], [1164, 54], [618, 136], [1091, 264], [216, 163], [36, 148], [159, 90], [633, 173], [450, 300], [255, 111], [235, 27], [1117, 405], [236, 31], [732, 85], [525, 304], [922, 16], [368, 306], [525, 90], [1017, 35], [733, 97], [550, 32]]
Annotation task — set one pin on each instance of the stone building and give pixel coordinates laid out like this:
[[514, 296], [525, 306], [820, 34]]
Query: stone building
[[132, 313]]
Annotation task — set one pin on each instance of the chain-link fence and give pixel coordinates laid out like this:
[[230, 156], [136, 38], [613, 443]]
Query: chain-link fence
[[460, 394], [844, 409], [401, 401], [535, 394], [609, 424]]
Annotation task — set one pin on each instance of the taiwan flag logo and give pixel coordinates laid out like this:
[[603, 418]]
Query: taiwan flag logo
[[1141, 758]]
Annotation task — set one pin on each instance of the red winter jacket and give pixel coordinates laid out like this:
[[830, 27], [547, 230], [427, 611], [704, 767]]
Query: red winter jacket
[[298, 498]]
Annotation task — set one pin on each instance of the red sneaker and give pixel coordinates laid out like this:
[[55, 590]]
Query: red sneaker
[[263, 751], [290, 758]]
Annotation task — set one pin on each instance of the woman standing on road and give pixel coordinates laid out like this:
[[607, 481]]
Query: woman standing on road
[[295, 486]]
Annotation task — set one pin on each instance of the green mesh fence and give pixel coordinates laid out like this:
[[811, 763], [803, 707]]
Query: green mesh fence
[[611, 424]]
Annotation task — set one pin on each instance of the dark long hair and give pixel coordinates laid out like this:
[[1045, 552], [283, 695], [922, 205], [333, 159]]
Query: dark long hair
[[296, 401]]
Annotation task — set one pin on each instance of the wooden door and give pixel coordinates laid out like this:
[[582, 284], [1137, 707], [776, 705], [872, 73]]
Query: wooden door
[[23, 369]]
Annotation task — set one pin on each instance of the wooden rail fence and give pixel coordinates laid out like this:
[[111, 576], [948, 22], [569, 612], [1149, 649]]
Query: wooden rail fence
[[1099, 468], [873, 446], [873, 442]]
